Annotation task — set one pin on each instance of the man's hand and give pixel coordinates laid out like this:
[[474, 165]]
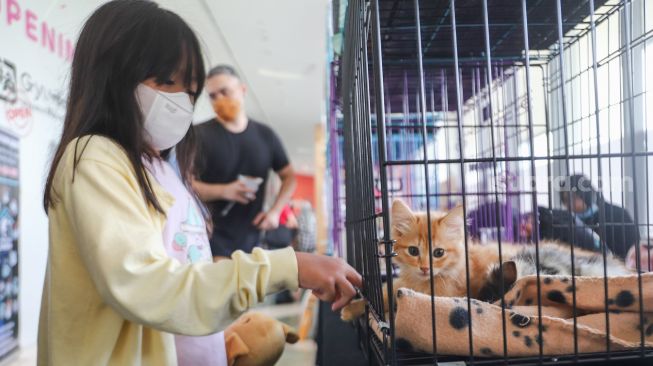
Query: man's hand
[[239, 192], [267, 220]]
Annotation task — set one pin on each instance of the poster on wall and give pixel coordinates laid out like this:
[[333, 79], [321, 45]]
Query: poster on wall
[[37, 43], [9, 285]]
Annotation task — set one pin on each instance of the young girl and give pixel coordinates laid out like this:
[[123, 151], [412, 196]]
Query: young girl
[[112, 295]]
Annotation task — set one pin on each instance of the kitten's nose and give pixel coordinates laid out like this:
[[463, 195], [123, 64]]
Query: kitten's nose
[[425, 270]]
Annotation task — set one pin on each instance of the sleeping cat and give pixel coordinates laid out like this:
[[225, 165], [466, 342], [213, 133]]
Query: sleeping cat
[[447, 258], [554, 259]]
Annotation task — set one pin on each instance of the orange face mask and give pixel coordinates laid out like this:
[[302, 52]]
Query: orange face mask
[[227, 109]]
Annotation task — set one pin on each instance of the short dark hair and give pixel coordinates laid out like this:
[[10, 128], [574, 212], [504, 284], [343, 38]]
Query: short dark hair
[[223, 70], [581, 187]]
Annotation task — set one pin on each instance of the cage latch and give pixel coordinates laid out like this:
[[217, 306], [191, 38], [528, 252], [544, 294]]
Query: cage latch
[[384, 327], [389, 244]]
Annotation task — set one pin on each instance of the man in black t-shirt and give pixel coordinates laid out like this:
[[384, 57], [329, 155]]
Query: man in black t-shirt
[[588, 205], [229, 146]]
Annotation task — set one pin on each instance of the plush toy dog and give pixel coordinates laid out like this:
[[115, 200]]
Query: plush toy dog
[[255, 339]]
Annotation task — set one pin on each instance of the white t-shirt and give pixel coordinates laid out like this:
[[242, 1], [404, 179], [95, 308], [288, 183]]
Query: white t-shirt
[[185, 239]]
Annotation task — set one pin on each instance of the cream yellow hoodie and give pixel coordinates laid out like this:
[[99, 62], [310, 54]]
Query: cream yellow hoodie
[[112, 296]]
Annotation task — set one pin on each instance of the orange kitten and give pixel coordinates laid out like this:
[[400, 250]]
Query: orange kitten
[[447, 257]]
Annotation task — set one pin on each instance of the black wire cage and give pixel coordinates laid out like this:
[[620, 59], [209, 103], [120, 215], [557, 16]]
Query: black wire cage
[[495, 104]]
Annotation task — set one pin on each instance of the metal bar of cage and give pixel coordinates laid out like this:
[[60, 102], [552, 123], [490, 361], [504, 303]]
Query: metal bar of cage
[[599, 167], [489, 80], [566, 161], [648, 209], [457, 81], [508, 159], [422, 113], [629, 61], [532, 164], [380, 120], [334, 162]]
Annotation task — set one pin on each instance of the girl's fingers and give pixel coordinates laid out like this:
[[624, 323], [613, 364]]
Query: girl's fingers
[[345, 293], [354, 278], [328, 292]]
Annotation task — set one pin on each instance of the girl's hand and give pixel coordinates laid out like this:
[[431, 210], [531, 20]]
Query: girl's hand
[[330, 279]]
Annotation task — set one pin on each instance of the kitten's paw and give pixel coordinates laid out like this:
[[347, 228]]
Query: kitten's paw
[[353, 310], [346, 314]]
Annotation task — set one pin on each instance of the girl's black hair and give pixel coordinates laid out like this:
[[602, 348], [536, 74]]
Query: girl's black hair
[[123, 43]]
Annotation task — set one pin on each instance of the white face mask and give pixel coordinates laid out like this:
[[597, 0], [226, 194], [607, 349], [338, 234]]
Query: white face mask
[[168, 116]]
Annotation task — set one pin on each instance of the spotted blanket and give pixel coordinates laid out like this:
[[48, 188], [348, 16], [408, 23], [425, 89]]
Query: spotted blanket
[[628, 329]]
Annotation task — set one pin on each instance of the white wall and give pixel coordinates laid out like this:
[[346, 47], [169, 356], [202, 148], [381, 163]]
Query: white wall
[[37, 38]]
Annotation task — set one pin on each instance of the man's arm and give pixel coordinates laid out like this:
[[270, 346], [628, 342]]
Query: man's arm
[[207, 192], [288, 185], [270, 219]]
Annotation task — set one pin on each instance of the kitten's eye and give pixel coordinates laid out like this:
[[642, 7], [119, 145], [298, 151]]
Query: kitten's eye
[[414, 251], [438, 252]]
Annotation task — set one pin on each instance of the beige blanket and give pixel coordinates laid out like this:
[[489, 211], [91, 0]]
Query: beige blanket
[[452, 318]]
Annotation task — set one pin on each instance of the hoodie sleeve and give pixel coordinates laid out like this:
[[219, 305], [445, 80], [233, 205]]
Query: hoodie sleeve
[[119, 240]]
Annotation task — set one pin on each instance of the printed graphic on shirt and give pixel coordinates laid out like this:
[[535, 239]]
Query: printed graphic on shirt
[[194, 254], [191, 238], [194, 222], [179, 242]]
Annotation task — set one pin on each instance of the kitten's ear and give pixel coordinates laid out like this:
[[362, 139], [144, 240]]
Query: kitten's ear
[[454, 221], [509, 273], [402, 218]]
